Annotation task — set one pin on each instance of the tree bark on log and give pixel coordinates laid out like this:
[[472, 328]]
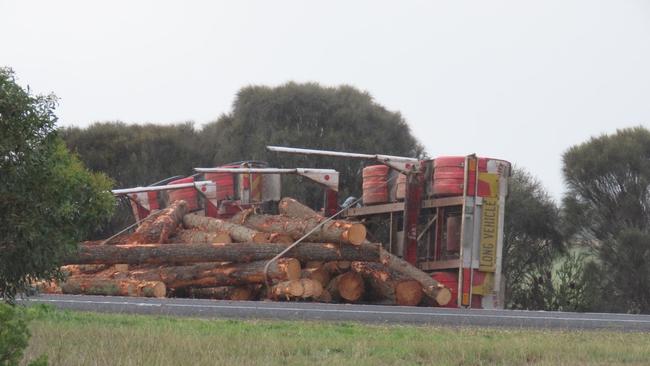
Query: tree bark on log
[[74, 269], [430, 287], [159, 229], [217, 274], [280, 238], [334, 231], [96, 285], [390, 285], [222, 252], [313, 264], [190, 236], [292, 208], [160, 225], [235, 293], [296, 289], [348, 286], [238, 233]]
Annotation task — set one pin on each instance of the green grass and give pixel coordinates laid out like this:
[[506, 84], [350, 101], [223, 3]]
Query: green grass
[[77, 338]]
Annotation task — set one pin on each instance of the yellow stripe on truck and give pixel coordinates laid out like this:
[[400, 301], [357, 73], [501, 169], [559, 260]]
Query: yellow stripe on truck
[[489, 224]]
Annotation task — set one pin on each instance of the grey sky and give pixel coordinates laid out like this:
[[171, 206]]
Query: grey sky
[[518, 80]]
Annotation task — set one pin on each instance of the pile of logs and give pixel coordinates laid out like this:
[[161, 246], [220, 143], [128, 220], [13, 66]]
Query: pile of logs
[[177, 254]]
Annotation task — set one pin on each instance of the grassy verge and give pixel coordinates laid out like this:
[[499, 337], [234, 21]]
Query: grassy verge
[[76, 338]]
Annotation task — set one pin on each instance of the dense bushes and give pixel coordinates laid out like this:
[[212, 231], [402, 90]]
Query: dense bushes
[[14, 336]]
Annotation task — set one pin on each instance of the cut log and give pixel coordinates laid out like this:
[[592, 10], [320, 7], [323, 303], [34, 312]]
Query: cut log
[[72, 270], [222, 252], [408, 293], [348, 286], [200, 237], [280, 238], [354, 231], [430, 287], [216, 274], [313, 264], [47, 287], [296, 289], [236, 293], [95, 285], [318, 274], [389, 285], [238, 233], [313, 289], [287, 289], [159, 229], [334, 231], [337, 267], [325, 296], [292, 208]]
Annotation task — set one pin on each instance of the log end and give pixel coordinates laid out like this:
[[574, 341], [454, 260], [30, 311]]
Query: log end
[[312, 288], [443, 297], [295, 288], [291, 267], [154, 289], [318, 274], [288, 289], [356, 233], [351, 286], [408, 293]]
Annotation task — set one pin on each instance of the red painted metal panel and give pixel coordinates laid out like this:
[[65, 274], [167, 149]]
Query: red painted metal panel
[[225, 183], [140, 211], [189, 195], [450, 280], [144, 203], [331, 202], [153, 200]]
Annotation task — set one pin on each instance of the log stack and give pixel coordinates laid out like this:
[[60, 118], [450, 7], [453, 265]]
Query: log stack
[[174, 253]]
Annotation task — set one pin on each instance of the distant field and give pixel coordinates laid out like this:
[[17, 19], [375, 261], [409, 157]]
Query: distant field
[[76, 338]]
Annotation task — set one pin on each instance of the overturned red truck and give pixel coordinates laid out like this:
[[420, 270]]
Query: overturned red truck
[[442, 215]]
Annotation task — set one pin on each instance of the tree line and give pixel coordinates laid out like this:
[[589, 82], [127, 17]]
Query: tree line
[[298, 115], [592, 252]]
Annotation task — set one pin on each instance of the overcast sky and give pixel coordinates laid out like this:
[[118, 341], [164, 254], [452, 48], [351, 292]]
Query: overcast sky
[[518, 80]]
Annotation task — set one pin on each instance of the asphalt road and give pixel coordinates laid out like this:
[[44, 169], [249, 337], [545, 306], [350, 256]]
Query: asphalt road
[[345, 312]]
